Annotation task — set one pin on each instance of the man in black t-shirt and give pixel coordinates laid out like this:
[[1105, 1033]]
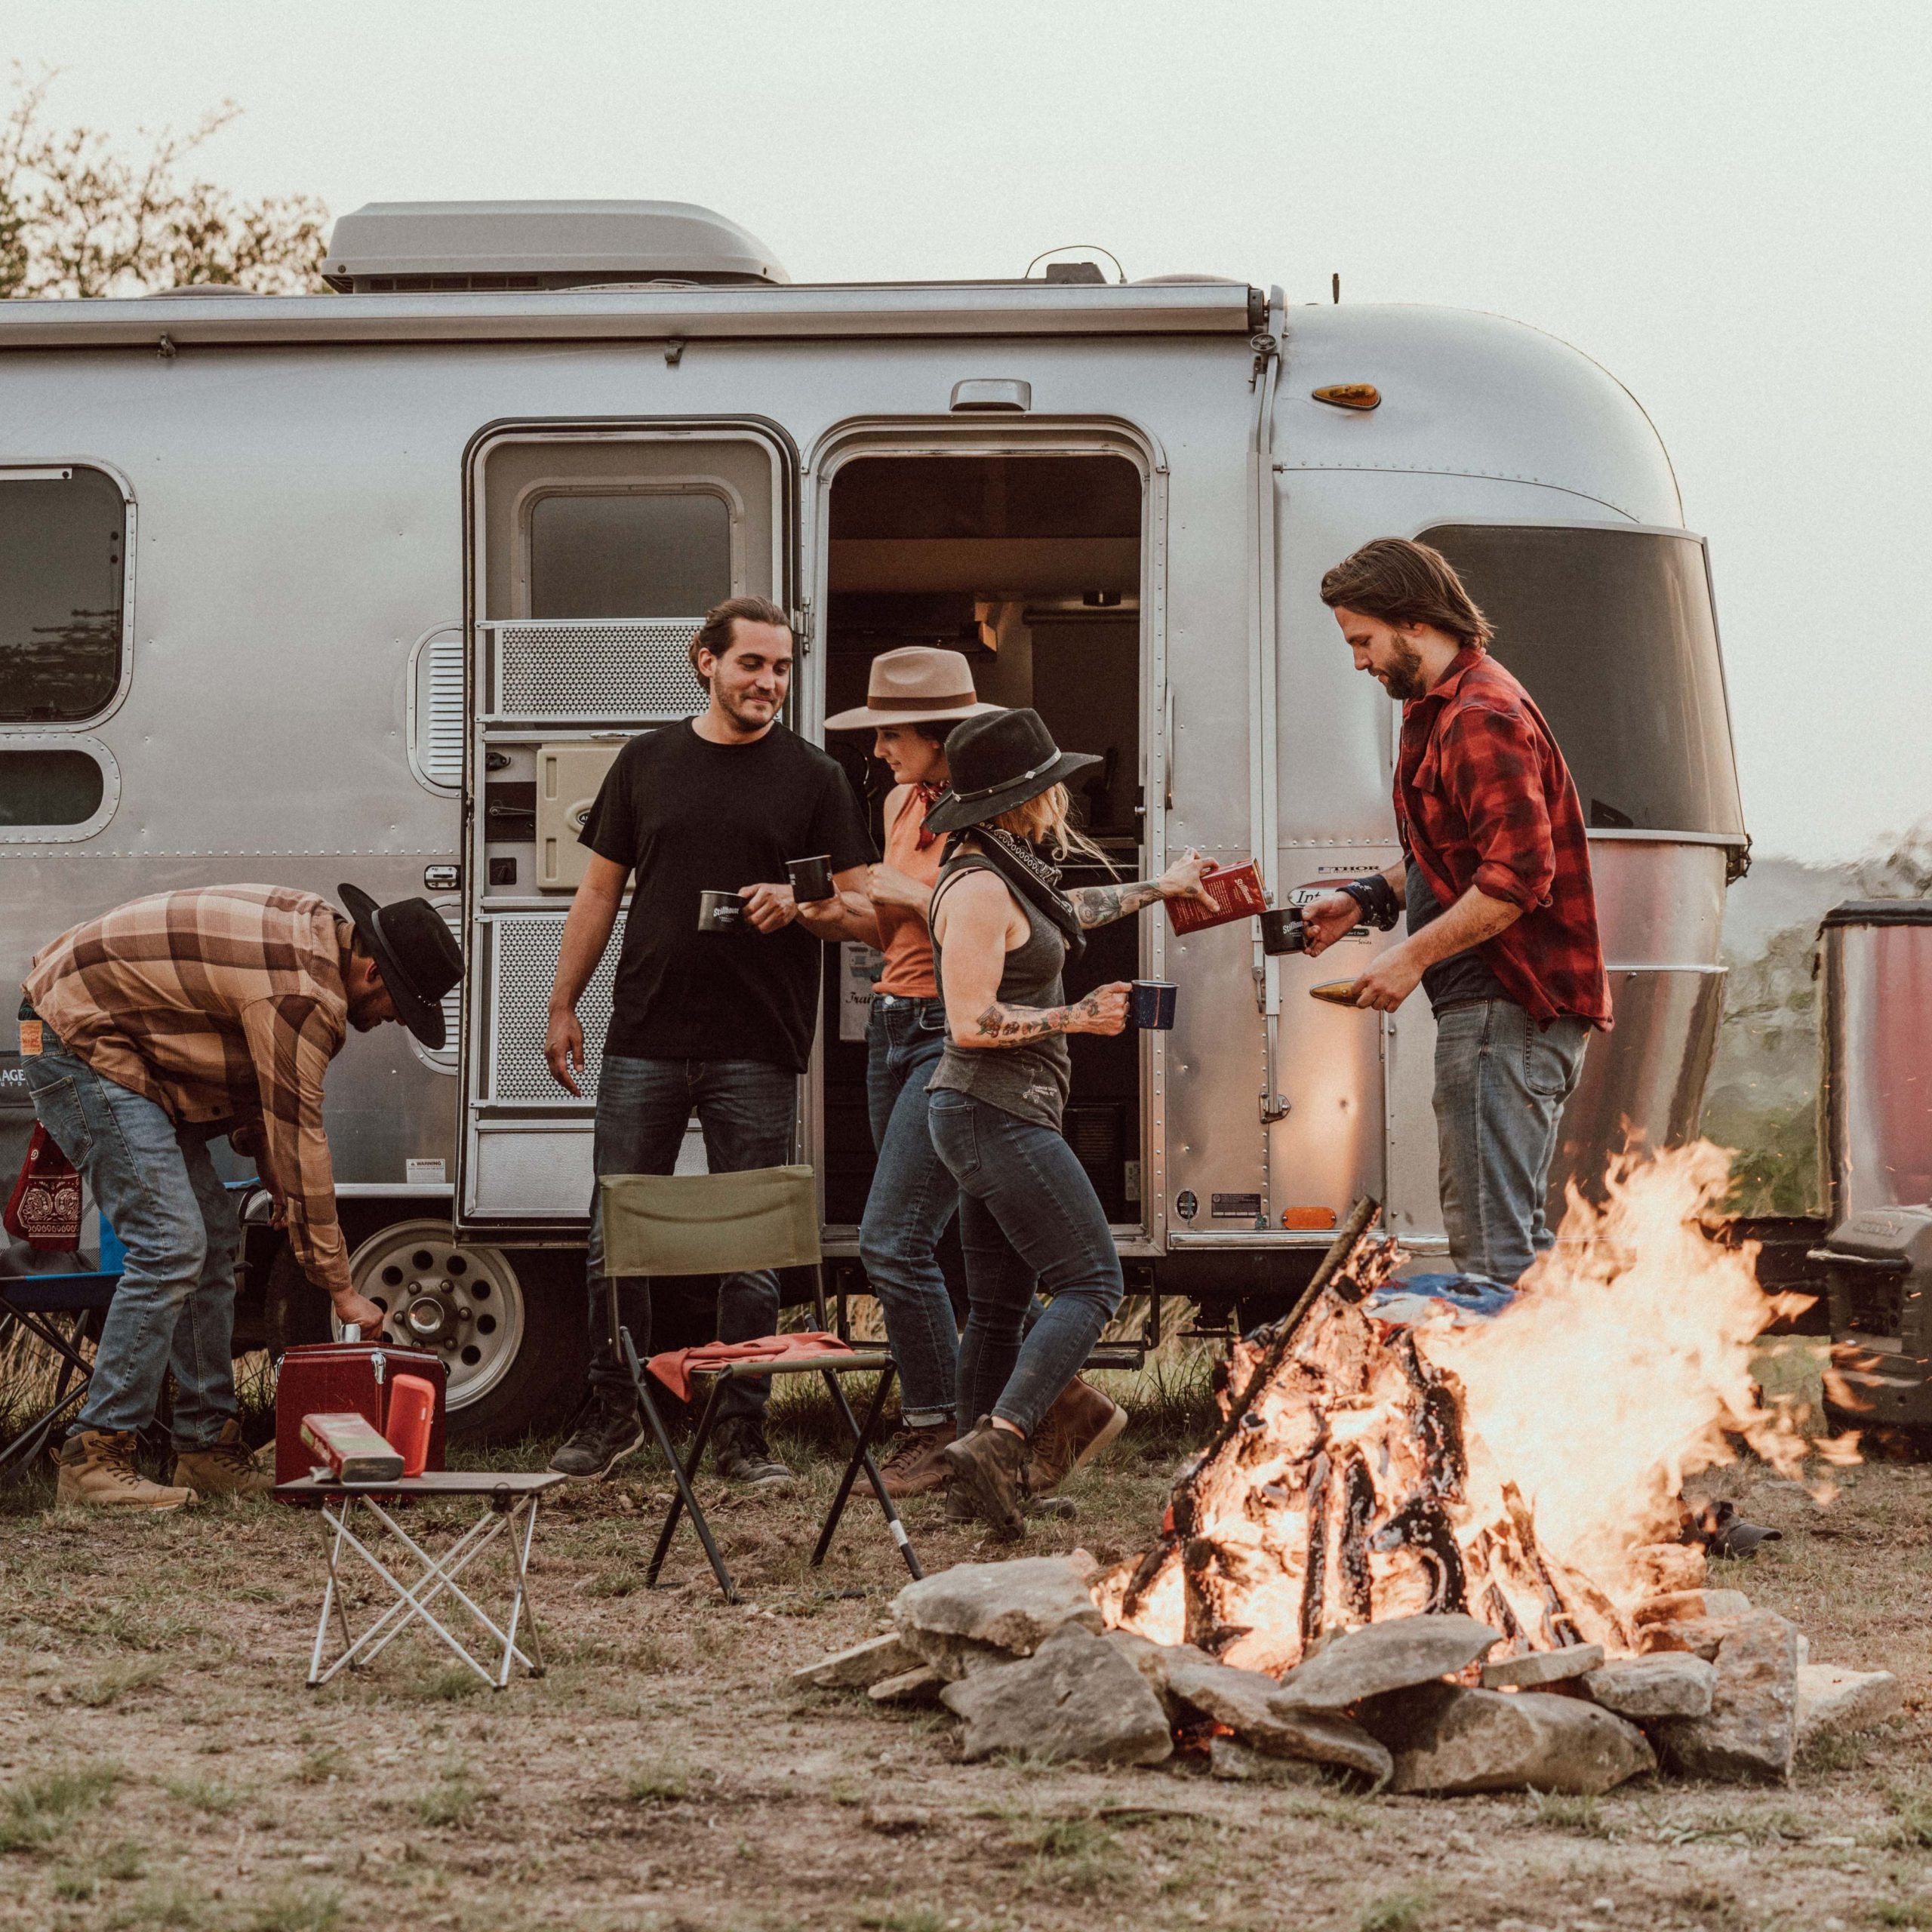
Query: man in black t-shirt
[[719, 1022]]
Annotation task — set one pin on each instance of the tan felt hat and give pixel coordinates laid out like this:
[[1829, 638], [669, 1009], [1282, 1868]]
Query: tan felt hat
[[920, 685]]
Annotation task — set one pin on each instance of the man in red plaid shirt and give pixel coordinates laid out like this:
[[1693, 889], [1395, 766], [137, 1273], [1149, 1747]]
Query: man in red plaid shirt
[[1495, 883]]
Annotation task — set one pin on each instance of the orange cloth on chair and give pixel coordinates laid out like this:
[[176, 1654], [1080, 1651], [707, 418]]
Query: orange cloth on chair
[[676, 1367]]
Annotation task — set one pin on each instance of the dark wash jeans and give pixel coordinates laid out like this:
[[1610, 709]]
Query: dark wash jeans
[[1028, 1216], [1501, 1084], [175, 1307], [746, 1110], [912, 1200]]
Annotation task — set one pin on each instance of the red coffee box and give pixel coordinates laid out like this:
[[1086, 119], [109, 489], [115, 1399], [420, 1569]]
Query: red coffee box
[[1235, 890], [351, 1448]]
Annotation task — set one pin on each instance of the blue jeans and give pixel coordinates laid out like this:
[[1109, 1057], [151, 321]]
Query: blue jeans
[[1028, 1216], [912, 1199], [746, 1109], [156, 1187], [1501, 1082]]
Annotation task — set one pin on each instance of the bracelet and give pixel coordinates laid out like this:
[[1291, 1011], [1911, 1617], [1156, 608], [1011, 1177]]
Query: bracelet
[[1377, 898]]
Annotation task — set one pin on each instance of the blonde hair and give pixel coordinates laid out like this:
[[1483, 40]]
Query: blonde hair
[[1043, 821]]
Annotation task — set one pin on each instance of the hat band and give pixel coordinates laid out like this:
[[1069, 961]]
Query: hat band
[[918, 703], [1006, 784]]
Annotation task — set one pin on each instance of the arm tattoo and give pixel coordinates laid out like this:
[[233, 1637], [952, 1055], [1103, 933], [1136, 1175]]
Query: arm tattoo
[[1101, 905], [1017, 1026]]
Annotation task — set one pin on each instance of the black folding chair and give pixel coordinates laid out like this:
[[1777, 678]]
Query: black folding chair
[[712, 1224], [59, 1301]]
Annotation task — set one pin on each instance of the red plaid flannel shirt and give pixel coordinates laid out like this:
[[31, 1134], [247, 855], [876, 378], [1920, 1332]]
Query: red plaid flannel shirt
[[1483, 798]]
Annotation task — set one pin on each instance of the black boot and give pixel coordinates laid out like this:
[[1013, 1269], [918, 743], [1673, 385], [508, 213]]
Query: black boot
[[610, 1427], [743, 1455]]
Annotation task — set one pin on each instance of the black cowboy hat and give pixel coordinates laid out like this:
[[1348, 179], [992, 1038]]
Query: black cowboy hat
[[999, 761], [416, 953]]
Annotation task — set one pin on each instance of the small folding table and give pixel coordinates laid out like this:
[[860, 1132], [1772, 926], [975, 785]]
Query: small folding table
[[508, 1511]]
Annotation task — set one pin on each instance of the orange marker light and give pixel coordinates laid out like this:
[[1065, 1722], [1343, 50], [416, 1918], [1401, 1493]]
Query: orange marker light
[[1349, 396], [1321, 1218]]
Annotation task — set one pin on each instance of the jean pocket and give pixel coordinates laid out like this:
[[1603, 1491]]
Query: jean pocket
[[932, 1018], [1551, 1060], [954, 1134], [57, 1107]]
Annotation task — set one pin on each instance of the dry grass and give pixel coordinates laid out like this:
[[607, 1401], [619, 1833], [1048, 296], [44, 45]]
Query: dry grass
[[161, 1765]]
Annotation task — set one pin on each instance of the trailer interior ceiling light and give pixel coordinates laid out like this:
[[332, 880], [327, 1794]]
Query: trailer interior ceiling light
[[998, 394], [412, 246], [1349, 395]]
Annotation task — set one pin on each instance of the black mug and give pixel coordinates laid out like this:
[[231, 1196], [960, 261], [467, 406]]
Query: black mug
[[811, 879], [1150, 1003], [719, 912], [1282, 931]]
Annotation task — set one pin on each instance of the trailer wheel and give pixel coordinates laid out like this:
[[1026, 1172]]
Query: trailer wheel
[[510, 1327]]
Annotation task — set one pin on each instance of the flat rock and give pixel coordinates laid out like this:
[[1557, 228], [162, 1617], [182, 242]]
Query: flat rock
[[1538, 1667], [861, 1667], [1681, 1606], [922, 1684], [1697, 1636], [1229, 1758], [1671, 1684], [1448, 1740], [974, 1613], [1252, 1706], [1750, 1733], [1831, 1701], [1382, 1657], [1077, 1697]]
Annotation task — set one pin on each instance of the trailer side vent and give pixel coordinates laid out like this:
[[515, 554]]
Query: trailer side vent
[[435, 708]]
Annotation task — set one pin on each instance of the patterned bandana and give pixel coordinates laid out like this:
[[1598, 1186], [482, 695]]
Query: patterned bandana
[[928, 796]]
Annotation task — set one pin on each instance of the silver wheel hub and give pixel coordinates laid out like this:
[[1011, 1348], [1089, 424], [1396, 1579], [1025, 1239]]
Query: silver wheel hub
[[461, 1302]]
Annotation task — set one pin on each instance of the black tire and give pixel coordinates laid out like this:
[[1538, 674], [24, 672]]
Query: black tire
[[534, 1396]]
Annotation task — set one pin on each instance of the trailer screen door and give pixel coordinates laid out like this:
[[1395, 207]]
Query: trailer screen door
[[595, 556]]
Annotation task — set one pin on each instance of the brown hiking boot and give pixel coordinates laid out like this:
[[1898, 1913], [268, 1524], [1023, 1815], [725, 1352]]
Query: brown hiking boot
[[916, 1463], [97, 1471], [1080, 1424], [227, 1467], [989, 1470]]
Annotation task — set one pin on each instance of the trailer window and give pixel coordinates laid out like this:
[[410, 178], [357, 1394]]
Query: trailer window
[[63, 553], [653, 554], [1613, 633]]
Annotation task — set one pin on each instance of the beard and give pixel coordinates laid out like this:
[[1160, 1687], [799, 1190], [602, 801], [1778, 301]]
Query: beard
[[740, 710], [1403, 679]]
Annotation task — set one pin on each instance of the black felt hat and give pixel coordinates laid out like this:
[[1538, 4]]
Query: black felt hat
[[999, 761], [416, 953]]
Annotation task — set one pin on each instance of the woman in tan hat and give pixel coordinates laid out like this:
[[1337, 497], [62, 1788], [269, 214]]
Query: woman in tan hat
[[914, 698]]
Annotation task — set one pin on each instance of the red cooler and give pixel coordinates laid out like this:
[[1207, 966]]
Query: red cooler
[[341, 1378]]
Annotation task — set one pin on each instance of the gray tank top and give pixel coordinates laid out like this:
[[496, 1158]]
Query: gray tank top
[[1031, 1081]]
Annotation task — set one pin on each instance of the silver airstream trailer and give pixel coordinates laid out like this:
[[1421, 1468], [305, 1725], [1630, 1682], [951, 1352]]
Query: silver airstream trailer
[[372, 585]]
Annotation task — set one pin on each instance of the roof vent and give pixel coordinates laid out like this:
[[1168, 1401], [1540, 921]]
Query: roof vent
[[414, 246]]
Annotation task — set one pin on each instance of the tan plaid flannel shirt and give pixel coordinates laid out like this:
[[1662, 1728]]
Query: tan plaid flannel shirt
[[224, 1006]]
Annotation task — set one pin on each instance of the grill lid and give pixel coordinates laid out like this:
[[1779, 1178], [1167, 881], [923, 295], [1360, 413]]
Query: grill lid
[[403, 245]]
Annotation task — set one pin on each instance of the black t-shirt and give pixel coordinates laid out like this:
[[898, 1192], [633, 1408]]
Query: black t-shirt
[[690, 816], [1464, 976]]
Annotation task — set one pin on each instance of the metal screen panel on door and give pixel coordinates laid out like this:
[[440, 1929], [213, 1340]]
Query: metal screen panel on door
[[524, 964], [615, 670]]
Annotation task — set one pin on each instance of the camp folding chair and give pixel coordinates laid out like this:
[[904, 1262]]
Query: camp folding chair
[[61, 1301], [732, 1223]]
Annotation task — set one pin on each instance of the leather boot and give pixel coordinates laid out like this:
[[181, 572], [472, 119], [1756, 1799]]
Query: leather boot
[[97, 1471]]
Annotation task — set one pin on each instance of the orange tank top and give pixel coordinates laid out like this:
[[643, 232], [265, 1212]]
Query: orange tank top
[[903, 937]]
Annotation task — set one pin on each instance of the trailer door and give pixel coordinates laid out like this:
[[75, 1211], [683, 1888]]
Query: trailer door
[[594, 551]]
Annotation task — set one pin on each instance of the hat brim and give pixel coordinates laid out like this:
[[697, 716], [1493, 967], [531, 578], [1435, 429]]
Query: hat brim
[[422, 1019], [866, 719], [952, 814]]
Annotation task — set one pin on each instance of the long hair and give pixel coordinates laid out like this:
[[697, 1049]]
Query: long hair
[[1403, 582], [1043, 821]]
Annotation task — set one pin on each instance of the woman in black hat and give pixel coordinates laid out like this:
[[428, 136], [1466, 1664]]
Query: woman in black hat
[[1001, 930]]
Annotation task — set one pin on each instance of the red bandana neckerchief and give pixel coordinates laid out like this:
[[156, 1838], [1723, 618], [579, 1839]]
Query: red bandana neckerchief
[[929, 796]]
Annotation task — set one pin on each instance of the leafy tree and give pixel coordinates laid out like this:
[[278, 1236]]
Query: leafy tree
[[77, 217]]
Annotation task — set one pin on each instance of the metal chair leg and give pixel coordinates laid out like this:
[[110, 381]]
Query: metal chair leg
[[685, 1498], [862, 1458]]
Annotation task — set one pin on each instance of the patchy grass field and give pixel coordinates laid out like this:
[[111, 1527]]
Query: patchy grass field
[[161, 1765]]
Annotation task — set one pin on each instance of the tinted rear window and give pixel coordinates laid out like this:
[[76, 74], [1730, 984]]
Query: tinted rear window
[[642, 555], [63, 549], [1613, 634]]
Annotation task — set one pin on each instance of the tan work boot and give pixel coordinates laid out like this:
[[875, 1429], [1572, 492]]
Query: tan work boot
[[1080, 1424], [227, 1467], [914, 1465], [97, 1471]]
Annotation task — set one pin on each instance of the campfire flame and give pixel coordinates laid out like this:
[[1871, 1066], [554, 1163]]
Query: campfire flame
[[1526, 1469]]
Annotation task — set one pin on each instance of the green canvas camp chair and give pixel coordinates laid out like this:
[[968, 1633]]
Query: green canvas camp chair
[[718, 1224]]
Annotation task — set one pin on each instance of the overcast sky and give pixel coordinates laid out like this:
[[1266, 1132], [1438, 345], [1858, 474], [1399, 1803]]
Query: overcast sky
[[1729, 205]]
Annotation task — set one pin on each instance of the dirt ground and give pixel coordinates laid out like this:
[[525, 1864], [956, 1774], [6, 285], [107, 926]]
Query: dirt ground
[[161, 1764]]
